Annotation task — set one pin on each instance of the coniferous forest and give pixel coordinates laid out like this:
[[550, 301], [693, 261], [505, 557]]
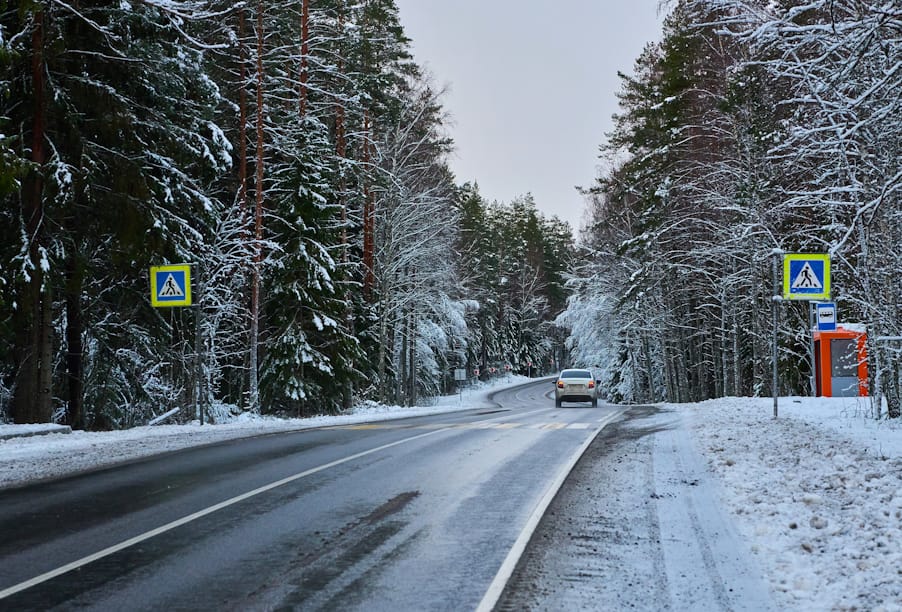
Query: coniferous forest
[[754, 128], [296, 155]]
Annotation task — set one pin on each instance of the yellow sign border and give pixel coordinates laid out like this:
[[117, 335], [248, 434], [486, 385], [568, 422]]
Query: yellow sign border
[[154, 270], [823, 257]]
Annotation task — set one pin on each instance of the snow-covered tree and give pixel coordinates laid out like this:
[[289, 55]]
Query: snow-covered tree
[[753, 126]]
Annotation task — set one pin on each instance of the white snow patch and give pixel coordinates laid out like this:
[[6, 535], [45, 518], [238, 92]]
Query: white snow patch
[[815, 491]]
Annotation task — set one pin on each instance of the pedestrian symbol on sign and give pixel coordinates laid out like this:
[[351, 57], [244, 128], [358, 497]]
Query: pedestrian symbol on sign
[[806, 279], [171, 289]]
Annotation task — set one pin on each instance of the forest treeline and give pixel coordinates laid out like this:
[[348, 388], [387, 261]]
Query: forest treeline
[[753, 128], [295, 155]]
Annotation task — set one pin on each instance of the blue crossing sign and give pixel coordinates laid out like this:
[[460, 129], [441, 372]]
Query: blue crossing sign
[[170, 285], [806, 276]]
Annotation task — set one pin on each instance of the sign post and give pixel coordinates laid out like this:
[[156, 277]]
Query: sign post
[[806, 276], [775, 302], [170, 286], [460, 376]]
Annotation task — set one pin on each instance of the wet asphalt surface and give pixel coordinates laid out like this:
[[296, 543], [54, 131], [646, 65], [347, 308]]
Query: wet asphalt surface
[[410, 514]]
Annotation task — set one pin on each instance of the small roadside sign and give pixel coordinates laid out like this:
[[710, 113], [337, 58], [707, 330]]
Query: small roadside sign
[[826, 316], [170, 285], [460, 374], [806, 276]]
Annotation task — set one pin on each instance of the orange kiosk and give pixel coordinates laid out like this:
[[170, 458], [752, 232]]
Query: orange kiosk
[[841, 362]]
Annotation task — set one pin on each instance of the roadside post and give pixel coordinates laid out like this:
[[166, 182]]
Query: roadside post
[[806, 276], [460, 377], [775, 303], [170, 287]]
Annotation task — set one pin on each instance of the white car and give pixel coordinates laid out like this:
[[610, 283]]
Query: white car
[[575, 385]]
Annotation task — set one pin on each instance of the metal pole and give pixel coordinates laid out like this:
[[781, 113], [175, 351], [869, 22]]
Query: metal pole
[[198, 352], [876, 397], [198, 410], [812, 324], [776, 299]]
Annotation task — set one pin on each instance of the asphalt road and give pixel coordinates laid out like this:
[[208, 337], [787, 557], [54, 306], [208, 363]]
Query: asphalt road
[[405, 515]]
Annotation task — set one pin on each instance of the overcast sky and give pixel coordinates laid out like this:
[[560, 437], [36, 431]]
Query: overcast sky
[[532, 87]]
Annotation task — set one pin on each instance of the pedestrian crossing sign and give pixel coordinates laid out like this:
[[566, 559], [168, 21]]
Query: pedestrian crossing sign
[[170, 285], [806, 276]]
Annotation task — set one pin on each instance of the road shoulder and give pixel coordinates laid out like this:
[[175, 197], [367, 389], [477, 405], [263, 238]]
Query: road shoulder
[[638, 524]]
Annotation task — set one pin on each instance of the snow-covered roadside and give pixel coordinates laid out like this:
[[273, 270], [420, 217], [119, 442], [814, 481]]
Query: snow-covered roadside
[[816, 492], [28, 457]]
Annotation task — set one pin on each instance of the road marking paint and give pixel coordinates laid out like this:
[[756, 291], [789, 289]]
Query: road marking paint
[[510, 562], [16, 588], [552, 426], [106, 552]]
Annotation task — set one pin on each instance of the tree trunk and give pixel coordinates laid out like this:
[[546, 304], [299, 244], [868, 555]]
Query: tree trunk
[[381, 361], [649, 367], [258, 225], [402, 361], [242, 112], [31, 402], [737, 362], [891, 388], [341, 150], [34, 323], [369, 230], [412, 354], [305, 50]]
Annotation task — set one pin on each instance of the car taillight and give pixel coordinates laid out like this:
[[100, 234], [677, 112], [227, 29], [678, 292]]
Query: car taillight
[[591, 384], [560, 384]]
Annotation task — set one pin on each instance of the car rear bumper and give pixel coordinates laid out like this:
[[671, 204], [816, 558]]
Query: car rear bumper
[[575, 398], [575, 393]]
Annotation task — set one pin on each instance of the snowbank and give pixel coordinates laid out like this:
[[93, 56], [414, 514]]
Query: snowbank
[[817, 492]]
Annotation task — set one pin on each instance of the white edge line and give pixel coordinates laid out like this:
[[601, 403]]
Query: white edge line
[[16, 588], [63, 569], [513, 556]]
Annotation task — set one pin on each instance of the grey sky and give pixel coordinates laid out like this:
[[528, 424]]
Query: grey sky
[[532, 87]]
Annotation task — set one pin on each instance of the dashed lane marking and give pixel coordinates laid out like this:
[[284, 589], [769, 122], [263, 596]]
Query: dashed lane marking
[[482, 425]]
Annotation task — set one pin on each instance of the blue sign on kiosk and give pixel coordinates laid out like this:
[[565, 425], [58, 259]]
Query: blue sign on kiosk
[[826, 316]]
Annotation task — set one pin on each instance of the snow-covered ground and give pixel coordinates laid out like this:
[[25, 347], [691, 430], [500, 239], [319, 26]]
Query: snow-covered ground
[[816, 492]]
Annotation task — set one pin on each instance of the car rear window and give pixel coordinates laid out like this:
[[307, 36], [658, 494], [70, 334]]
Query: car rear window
[[576, 374]]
